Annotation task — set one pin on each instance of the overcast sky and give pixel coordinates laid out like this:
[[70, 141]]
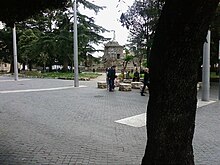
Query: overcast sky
[[109, 19]]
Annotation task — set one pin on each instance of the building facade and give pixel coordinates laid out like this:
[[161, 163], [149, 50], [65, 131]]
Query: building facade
[[113, 55]]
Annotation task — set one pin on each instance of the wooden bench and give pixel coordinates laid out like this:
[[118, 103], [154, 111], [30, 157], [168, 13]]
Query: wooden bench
[[102, 84], [124, 87]]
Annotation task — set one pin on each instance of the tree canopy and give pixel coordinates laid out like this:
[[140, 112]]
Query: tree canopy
[[141, 19], [12, 11], [50, 36]]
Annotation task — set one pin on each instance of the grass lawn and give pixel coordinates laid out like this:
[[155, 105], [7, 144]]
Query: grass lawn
[[213, 75], [58, 75]]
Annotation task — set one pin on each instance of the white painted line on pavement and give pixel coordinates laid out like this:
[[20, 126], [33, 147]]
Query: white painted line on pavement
[[140, 120], [38, 90], [134, 121], [14, 80], [201, 103]]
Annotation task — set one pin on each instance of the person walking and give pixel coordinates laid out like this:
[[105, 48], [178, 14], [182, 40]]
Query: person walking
[[146, 81], [111, 78]]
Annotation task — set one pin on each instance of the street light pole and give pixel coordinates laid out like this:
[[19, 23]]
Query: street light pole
[[15, 54], [75, 48], [206, 68]]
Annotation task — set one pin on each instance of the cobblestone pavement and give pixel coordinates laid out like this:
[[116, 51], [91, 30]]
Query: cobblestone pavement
[[77, 125]]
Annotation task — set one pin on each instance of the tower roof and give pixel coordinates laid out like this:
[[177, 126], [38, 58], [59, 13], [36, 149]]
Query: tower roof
[[112, 44]]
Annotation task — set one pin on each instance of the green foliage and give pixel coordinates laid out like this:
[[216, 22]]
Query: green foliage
[[27, 40], [6, 47], [14, 11], [90, 5], [46, 39], [214, 75], [141, 19], [89, 75], [88, 35], [128, 58], [144, 63], [215, 36], [59, 75]]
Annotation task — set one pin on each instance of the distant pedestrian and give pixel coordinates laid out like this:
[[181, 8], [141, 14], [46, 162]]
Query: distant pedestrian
[[106, 71], [146, 81], [136, 76], [111, 78], [116, 82], [127, 75]]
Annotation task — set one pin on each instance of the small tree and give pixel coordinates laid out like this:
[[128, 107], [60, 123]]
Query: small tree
[[128, 57], [43, 58], [141, 19]]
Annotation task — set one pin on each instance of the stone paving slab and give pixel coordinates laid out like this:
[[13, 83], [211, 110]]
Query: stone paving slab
[[140, 120], [77, 126]]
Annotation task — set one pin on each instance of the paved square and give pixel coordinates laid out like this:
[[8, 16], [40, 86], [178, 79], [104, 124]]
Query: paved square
[[140, 120], [66, 125]]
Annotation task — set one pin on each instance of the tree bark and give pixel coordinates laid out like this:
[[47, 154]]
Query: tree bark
[[12, 64], [65, 65], [172, 104], [30, 65]]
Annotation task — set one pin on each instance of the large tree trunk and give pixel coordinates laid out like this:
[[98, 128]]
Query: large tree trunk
[[65, 64], [30, 65], [11, 66], [179, 37]]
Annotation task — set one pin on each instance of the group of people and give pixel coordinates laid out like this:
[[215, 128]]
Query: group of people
[[111, 76]]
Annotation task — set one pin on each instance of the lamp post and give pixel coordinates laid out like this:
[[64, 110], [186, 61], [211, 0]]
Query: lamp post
[[75, 47], [15, 54], [206, 69]]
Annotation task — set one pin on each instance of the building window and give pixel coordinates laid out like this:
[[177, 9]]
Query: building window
[[118, 56]]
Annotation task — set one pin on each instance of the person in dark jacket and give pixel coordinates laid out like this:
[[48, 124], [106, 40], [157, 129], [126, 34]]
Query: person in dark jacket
[[136, 76], [146, 81], [111, 78]]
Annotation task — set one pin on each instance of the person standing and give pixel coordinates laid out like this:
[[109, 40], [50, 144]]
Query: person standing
[[146, 81], [111, 78], [106, 72], [136, 76]]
